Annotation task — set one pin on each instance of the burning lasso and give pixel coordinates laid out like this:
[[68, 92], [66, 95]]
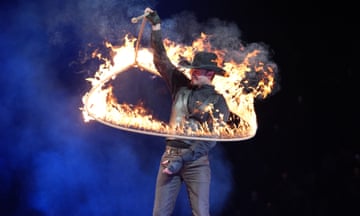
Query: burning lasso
[[238, 90]]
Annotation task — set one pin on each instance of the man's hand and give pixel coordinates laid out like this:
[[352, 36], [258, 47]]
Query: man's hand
[[152, 16], [172, 166]]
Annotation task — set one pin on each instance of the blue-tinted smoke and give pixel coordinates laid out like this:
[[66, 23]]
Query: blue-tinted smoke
[[52, 163]]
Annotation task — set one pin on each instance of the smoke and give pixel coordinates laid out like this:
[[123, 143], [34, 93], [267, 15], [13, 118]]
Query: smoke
[[52, 163], [226, 36]]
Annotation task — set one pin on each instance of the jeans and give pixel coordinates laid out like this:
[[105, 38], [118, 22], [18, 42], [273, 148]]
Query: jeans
[[195, 174]]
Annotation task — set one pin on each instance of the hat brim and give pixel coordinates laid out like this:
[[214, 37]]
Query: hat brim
[[217, 70]]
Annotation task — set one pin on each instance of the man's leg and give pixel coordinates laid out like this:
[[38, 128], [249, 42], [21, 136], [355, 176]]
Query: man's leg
[[166, 192], [197, 176]]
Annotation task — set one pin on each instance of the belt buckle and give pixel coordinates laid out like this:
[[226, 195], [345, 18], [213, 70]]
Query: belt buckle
[[168, 150]]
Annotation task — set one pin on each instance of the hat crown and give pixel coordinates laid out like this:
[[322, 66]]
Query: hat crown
[[204, 59]]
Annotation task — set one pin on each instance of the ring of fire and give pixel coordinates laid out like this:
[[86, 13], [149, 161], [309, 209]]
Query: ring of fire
[[102, 106]]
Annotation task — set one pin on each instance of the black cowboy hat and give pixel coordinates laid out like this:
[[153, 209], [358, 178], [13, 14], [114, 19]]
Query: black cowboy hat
[[204, 60]]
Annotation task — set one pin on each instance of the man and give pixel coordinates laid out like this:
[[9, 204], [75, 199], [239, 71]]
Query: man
[[196, 104]]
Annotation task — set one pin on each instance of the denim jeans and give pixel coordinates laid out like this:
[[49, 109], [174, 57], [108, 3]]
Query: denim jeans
[[195, 175]]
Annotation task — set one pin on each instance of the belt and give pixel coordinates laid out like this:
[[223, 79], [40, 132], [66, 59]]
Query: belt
[[177, 143], [175, 150]]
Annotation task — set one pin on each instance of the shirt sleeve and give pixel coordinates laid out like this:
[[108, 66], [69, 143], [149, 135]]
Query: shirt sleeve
[[221, 108], [174, 78]]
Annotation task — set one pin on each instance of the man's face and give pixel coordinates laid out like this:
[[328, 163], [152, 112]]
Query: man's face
[[201, 76]]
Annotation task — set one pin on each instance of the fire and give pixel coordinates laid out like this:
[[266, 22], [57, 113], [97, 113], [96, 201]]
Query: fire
[[101, 105]]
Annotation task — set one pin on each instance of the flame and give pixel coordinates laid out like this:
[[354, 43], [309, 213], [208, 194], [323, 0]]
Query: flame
[[101, 105]]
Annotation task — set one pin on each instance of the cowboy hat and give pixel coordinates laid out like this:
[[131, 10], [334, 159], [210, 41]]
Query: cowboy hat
[[204, 60]]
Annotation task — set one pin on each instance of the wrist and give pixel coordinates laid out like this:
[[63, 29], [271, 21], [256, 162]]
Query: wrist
[[156, 27]]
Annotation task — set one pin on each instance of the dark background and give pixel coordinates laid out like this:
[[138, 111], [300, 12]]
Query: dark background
[[304, 159]]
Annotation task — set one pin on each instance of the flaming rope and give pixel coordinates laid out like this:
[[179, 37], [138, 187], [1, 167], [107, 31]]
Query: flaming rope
[[238, 90]]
